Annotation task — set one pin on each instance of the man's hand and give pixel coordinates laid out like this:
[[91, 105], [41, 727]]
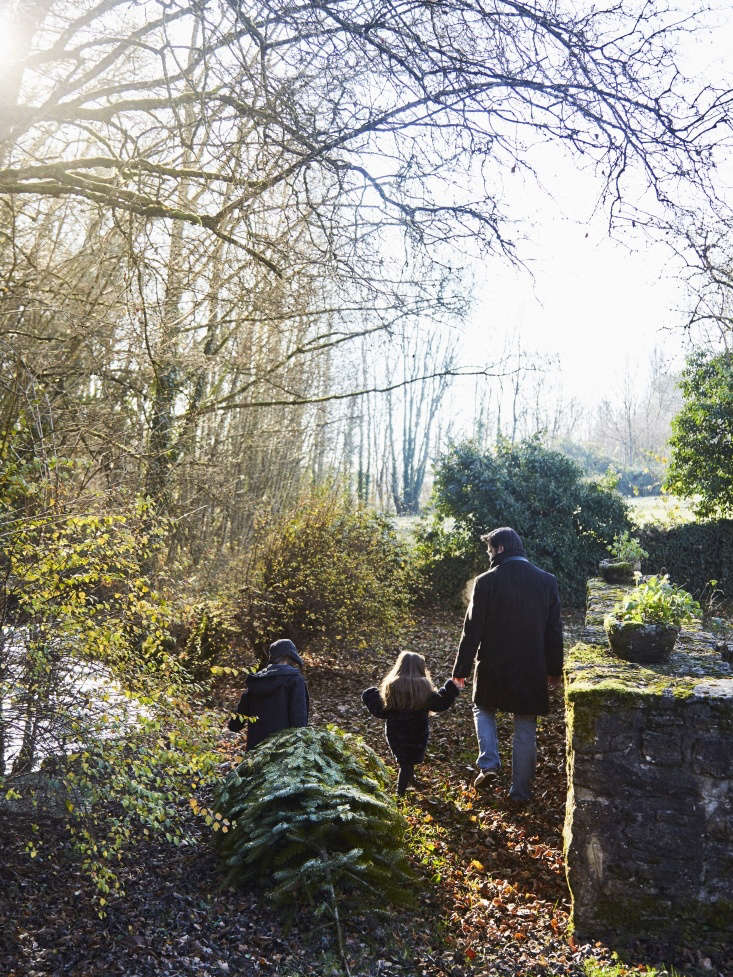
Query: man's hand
[[459, 682]]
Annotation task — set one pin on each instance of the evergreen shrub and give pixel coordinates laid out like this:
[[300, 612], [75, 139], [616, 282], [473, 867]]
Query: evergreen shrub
[[331, 572], [307, 812], [692, 554], [446, 559], [565, 521], [701, 462]]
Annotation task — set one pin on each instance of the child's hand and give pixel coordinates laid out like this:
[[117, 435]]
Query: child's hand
[[458, 682]]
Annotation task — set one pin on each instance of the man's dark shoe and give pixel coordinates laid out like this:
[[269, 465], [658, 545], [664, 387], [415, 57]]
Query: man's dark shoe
[[485, 778]]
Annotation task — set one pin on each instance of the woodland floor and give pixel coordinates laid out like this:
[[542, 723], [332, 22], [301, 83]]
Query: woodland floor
[[493, 898]]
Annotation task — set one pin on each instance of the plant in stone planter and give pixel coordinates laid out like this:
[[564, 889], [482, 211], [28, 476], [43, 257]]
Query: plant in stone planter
[[626, 555], [643, 626]]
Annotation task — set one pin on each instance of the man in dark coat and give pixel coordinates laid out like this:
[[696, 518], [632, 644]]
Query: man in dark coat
[[514, 631], [275, 698]]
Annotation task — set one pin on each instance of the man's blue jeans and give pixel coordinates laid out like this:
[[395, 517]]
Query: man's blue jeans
[[524, 749]]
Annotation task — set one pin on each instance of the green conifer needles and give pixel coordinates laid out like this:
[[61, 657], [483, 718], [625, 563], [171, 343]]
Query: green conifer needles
[[307, 811]]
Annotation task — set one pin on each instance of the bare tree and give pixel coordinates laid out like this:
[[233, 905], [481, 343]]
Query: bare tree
[[412, 412], [371, 108], [204, 207], [708, 260], [633, 427]]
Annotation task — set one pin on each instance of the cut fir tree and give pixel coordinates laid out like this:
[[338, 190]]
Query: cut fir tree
[[308, 812]]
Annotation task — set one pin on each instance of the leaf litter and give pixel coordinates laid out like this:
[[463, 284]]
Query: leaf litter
[[492, 897]]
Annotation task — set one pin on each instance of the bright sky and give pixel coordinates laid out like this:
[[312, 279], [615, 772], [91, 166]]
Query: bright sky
[[599, 304], [596, 302]]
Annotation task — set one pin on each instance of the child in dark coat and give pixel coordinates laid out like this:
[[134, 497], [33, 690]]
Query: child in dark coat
[[404, 699], [275, 698]]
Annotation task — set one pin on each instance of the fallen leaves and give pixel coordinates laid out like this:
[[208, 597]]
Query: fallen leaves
[[493, 897]]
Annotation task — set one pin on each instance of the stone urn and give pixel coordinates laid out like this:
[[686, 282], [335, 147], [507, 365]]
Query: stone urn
[[617, 571], [644, 643]]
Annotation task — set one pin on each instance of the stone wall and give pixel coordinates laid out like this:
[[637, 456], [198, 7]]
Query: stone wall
[[649, 819]]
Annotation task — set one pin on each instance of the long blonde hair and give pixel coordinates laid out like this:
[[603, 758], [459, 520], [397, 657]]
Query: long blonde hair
[[408, 684]]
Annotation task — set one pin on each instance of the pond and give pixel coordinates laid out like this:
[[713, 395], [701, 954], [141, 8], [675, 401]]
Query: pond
[[52, 700]]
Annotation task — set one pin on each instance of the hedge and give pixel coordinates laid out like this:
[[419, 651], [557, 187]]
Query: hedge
[[693, 554]]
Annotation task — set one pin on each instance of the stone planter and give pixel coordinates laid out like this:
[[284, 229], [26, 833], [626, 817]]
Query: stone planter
[[616, 571], [644, 643], [648, 832]]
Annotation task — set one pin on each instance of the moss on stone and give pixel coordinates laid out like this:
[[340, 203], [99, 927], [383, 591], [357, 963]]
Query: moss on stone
[[581, 727], [686, 921], [585, 704], [641, 685], [633, 699], [594, 666], [600, 598]]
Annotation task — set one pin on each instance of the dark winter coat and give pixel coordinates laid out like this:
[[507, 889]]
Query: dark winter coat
[[513, 629], [407, 730], [277, 698]]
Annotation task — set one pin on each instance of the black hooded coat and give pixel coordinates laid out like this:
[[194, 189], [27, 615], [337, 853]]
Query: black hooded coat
[[407, 730], [276, 698], [513, 631]]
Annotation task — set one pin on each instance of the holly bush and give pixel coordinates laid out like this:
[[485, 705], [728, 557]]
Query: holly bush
[[446, 558], [566, 521]]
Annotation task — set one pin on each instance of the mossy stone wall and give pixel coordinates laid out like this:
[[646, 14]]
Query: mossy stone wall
[[649, 818]]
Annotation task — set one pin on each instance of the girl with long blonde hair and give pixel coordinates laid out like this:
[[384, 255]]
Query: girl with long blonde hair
[[404, 700]]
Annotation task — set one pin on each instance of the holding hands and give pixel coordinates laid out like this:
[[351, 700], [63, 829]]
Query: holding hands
[[553, 681]]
